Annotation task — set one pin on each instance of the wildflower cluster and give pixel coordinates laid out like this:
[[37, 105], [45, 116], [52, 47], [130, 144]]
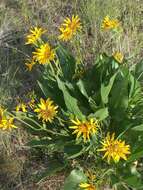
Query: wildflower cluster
[[34, 35], [44, 53], [6, 122], [69, 28], [88, 116]]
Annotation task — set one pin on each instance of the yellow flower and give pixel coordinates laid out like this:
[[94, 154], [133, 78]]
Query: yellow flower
[[34, 35], [115, 23], [30, 64], [44, 54], [114, 149], [110, 23], [87, 186], [7, 124], [21, 107], [85, 128], [66, 34], [47, 110], [74, 23], [69, 28], [1, 113], [118, 56]]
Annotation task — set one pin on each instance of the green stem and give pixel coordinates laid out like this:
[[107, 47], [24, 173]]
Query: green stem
[[41, 127]]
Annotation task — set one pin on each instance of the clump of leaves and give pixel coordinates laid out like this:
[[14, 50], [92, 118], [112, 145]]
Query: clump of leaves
[[107, 91], [79, 112]]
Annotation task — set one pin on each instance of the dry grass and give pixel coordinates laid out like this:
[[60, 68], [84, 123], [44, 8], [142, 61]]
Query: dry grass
[[130, 14]]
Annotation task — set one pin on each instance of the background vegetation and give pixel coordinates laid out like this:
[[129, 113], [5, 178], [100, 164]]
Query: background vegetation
[[16, 17]]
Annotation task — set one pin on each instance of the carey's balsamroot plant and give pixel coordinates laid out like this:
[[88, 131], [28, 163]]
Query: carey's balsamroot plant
[[92, 118]]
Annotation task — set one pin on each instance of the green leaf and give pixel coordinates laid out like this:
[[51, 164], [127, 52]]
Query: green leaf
[[39, 143], [45, 91], [105, 90], [134, 171], [114, 179], [133, 85], [138, 128], [71, 102], [119, 97], [82, 89], [139, 71], [135, 156], [73, 150], [50, 89], [74, 179], [102, 114], [61, 142], [134, 182], [67, 62]]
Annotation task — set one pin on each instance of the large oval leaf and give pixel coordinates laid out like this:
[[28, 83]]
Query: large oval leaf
[[105, 90], [70, 101], [74, 179]]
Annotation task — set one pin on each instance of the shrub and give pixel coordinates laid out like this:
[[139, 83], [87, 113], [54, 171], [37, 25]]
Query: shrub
[[91, 117]]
